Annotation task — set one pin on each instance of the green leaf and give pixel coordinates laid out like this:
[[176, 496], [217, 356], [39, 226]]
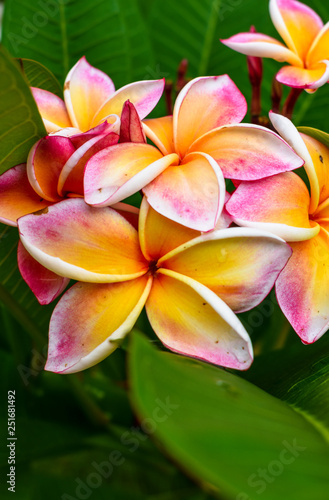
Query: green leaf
[[316, 134], [39, 76], [110, 33], [300, 376], [20, 122], [224, 430]]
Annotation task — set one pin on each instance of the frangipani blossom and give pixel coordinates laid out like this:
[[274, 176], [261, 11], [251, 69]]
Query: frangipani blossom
[[90, 99], [182, 176], [282, 204], [306, 39], [188, 282]]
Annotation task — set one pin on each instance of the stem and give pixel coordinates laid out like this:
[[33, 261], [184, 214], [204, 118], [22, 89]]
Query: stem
[[291, 100], [168, 97], [255, 107], [276, 95]]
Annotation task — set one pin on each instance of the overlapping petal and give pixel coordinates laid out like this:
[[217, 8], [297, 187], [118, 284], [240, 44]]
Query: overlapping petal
[[45, 284], [311, 78], [248, 152], [297, 24], [160, 131], [204, 104], [71, 176], [84, 243], [159, 235], [279, 204], [17, 198], [190, 319], [310, 151], [240, 265], [144, 95], [85, 90], [259, 45], [191, 194], [131, 129], [90, 321], [120, 171], [45, 163], [320, 47], [303, 287], [52, 109]]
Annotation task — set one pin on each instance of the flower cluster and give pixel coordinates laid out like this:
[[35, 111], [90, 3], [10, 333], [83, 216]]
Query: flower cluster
[[176, 254]]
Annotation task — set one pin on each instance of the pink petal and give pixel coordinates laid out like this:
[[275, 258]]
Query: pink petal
[[303, 288], [86, 89], [248, 152], [144, 95], [216, 99], [191, 194], [45, 284], [52, 109], [91, 320], [278, 204], [259, 45], [117, 172], [312, 78]]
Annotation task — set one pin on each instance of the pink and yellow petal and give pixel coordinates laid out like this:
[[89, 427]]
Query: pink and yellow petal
[[311, 78], [248, 152], [320, 159], [83, 243], [159, 235], [259, 45], [278, 204], [191, 194], [320, 47], [52, 110], [204, 104], [70, 180], [240, 265], [17, 198], [302, 288], [297, 24], [160, 132], [45, 163], [86, 89], [190, 319], [91, 320], [45, 284], [117, 172], [291, 135], [144, 95]]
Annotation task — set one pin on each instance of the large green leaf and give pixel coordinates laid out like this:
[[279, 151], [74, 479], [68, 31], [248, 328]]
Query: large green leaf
[[110, 33], [224, 430], [39, 76], [20, 122]]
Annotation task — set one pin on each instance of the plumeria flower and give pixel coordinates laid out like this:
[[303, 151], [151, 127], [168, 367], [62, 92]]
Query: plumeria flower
[[90, 98], [188, 283], [182, 174], [307, 44], [282, 204]]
